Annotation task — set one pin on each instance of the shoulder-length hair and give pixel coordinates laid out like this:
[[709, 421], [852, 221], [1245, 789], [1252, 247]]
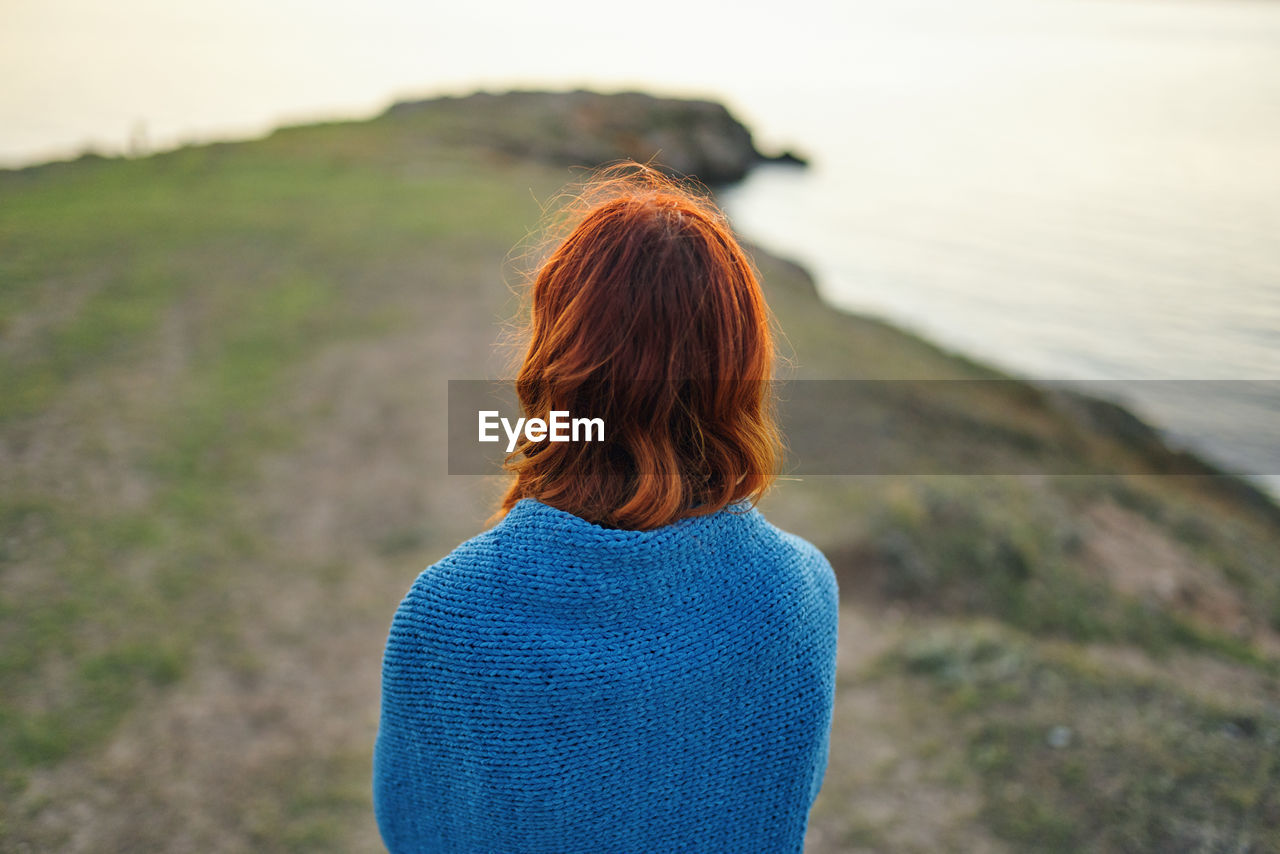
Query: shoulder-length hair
[[649, 316]]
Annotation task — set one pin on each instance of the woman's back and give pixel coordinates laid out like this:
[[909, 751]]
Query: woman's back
[[633, 659], [556, 686]]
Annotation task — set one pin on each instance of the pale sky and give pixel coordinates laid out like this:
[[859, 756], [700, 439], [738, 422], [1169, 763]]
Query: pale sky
[[78, 71]]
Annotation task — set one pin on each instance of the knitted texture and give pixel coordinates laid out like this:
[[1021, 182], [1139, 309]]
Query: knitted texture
[[555, 686]]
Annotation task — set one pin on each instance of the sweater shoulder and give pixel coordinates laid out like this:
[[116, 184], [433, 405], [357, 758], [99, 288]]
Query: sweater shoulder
[[544, 566], [794, 550]]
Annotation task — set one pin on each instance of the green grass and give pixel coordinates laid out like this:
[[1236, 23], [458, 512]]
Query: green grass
[[1006, 549], [104, 687], [1144, 765], [320, 799], [84, 608]]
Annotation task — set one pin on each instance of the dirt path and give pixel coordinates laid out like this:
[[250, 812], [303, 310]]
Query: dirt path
[[265, 743], [890, 783]]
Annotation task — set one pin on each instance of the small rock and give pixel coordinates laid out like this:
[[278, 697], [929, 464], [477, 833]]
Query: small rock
[[1059, 737], [1241, 726]]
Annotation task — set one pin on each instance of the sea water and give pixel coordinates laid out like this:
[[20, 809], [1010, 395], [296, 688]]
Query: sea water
[[1071, 191]]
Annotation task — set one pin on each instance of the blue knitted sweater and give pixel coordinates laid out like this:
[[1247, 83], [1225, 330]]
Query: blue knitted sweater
[[555, 686]]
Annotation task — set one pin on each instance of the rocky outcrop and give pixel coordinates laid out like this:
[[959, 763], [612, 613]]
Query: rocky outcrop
[[685, 137]]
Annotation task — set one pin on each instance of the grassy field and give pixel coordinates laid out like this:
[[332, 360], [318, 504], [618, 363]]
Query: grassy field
[[222, 463]]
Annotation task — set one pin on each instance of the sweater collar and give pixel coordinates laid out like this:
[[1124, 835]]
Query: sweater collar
[[532, 520]]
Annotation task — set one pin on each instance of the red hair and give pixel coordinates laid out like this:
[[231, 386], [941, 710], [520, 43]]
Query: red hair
[[649, 315]]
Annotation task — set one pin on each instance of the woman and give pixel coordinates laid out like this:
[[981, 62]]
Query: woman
[[632, 659]]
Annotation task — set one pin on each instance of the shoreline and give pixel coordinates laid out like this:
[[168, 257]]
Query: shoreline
[[1092, 411]]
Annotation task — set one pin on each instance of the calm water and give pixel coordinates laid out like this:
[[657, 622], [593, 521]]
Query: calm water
[[1089, 192], [1073, 189]]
